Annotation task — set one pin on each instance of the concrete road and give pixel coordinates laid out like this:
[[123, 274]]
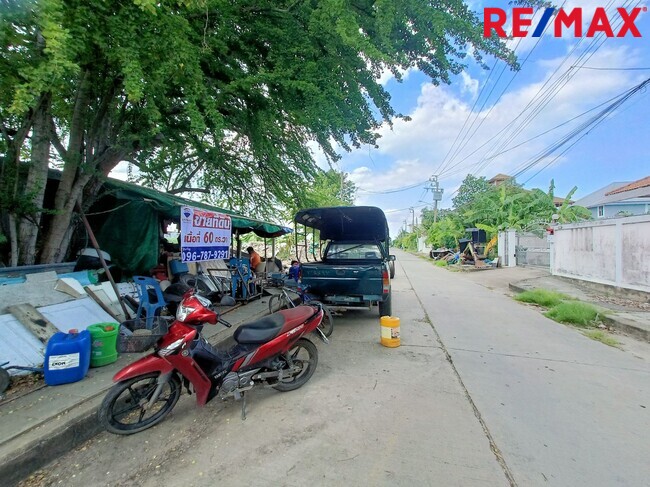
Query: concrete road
[[483, 391], [563, 409]]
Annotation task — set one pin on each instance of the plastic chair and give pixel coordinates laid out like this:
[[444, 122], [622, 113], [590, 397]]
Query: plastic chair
[[151, 309]]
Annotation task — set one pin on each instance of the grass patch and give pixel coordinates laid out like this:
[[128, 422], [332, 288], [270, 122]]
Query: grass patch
[[602, 337], [575, 313], [441, 263], [543, 297]]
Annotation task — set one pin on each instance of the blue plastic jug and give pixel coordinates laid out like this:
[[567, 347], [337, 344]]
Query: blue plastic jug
[[67, 357]]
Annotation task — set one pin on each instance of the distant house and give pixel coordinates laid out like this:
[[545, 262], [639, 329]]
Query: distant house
[[499, 179], [622, 198]]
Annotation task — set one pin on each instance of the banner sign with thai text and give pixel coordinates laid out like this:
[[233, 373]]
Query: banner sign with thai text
[[205, 235]]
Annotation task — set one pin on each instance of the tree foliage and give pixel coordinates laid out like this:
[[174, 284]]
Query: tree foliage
[[495, 208], [406, 240], [469, 189], [221, 96]]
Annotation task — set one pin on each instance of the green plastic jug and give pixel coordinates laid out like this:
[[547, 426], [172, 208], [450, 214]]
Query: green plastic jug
[[103, 344]]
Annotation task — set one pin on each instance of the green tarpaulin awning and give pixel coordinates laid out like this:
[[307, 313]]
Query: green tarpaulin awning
[[168, 205], [127, 223]]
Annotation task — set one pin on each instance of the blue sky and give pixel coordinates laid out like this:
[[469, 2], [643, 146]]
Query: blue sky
[[618, 149]]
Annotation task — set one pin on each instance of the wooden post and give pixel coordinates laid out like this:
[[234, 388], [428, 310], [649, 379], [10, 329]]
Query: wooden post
[[91, 234], [34, 321]]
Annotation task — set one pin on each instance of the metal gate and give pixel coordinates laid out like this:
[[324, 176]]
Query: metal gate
[[532, 250]]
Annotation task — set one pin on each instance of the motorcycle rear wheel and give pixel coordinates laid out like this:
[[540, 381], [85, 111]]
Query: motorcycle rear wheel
[[305, 353], [122, 411]]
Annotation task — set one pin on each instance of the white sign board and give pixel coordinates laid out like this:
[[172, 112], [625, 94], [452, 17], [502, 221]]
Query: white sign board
[[205, 235]]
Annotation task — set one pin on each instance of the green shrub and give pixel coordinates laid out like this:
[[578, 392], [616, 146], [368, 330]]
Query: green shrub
[[543, 297], [575, 313], [441, 263], [601, 336]]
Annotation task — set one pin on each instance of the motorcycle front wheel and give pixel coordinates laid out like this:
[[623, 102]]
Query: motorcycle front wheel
[[304, 355], [123, 411]]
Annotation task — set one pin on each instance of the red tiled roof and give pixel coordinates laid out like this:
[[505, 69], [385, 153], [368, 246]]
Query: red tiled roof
[[641, 183]]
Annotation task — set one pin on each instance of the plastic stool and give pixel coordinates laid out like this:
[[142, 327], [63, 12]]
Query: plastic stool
[[143, 284]]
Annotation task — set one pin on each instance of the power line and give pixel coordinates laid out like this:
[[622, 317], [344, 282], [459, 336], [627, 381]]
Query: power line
[[494, 104], [395, 190], [445, 161], [613, 69], [583, 129], [404, 209], [540, 134], [537, 103], [564, 79]]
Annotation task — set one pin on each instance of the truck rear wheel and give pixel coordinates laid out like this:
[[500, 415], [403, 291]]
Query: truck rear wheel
[[386, 307]]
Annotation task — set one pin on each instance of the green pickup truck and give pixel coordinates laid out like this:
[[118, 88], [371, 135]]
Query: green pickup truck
[[355, 270]]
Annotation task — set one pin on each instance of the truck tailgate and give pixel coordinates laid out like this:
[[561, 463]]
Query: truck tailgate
[[332, 279]]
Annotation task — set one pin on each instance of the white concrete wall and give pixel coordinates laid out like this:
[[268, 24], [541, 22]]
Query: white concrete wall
[[506, 246], [422, 246], [613, 251]]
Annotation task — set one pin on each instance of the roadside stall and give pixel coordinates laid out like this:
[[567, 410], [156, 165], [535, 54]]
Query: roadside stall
[[130, 220]]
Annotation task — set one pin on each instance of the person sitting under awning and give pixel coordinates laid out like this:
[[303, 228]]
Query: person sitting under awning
[[254, 257]]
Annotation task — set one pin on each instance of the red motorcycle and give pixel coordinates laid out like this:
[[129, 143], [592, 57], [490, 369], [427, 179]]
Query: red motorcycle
[[273, 351]]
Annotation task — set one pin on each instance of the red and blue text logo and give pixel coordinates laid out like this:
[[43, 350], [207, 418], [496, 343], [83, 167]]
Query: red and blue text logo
[[565, 21]]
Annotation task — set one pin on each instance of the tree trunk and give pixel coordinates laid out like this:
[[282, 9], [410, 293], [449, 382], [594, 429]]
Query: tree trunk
[[72, 181], [57, 241], [36, 182], [13, 262], [90, 151]]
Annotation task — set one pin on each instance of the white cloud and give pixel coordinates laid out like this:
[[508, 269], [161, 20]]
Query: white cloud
[[470, 85], [402, 173], [386, 75]]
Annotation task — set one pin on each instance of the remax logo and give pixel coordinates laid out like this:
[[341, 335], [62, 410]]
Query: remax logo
[[565, 21]]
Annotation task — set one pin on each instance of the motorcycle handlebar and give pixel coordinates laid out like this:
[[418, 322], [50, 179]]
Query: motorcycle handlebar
[[224, 322]]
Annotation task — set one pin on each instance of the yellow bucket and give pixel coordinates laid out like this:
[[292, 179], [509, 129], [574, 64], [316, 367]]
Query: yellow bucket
[[389, 331]]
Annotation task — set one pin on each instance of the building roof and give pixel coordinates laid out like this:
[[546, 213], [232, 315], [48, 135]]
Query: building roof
[[499, 178], [609, 195], [559, 201], [641, 183]]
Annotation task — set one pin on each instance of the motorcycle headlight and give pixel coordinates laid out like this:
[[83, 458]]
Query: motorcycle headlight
[[183, 312], [171, 348]]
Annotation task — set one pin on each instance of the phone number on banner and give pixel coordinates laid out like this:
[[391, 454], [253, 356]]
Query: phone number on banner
[[196, 254]]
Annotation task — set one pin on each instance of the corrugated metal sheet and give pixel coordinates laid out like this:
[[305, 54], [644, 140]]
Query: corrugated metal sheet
[[18, 345]]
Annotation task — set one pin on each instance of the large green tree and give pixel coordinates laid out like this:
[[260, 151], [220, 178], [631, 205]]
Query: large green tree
[[471, 188], [228, 92]]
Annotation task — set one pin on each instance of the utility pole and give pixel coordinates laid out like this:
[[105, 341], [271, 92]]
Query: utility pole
[[436, 191], [412, 210], [405, 227]]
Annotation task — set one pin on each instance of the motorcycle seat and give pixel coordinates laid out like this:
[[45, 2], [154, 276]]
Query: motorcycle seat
[[260, 331], [295, 316]]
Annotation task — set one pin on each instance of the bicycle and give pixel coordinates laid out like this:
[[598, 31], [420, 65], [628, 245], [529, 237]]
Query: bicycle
[[284, 300]]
